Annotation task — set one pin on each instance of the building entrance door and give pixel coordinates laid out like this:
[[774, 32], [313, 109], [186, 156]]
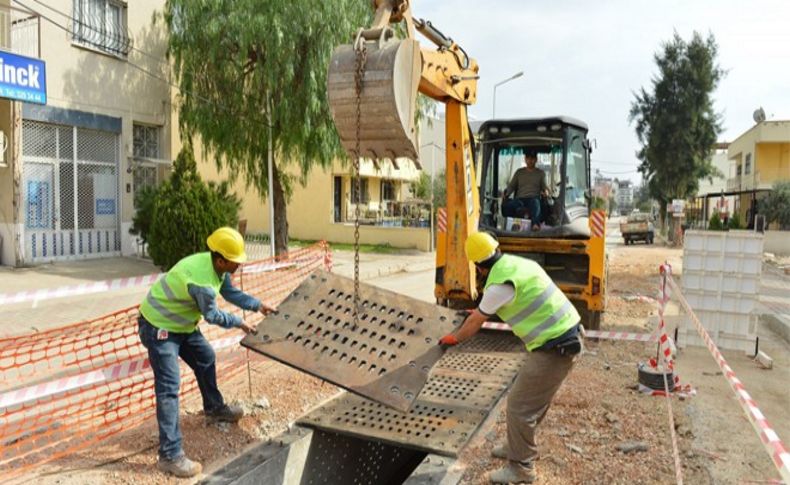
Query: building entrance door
[[70, 192]]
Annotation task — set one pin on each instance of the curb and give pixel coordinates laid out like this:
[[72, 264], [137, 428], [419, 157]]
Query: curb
[[778, 325], [395, 268]]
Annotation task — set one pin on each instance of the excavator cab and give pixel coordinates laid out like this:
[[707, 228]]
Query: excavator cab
[[562, 150], [568, 239]]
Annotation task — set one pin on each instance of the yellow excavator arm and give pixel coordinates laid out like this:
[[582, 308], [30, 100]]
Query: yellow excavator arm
[[376, 120]]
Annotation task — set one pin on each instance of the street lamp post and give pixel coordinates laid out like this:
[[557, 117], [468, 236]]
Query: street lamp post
[[433, 171], [514, 76]]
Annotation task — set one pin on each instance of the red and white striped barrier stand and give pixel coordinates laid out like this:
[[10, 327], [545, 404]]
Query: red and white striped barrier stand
[[773, 445], [110, 373], [665, 348]]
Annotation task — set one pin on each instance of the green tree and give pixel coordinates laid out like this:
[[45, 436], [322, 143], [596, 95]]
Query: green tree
[[735, 221], [676, 123], [176, 217], [776, 207], [244, 66], [598, 203], [715, 223], [422, 188], [612, 205]]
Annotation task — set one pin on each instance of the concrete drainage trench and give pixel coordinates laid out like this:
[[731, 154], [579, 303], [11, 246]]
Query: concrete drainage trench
[[353, 440]]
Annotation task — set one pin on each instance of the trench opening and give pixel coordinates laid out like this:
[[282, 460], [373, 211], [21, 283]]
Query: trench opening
[[334, 458]]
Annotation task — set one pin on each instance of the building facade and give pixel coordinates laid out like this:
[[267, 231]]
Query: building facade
[[758, 158], [73, 165]]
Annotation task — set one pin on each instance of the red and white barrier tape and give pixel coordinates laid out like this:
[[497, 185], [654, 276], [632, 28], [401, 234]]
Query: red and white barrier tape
[[607, 335], [107, 374], [118, 284], [771, 441], [83, 289]]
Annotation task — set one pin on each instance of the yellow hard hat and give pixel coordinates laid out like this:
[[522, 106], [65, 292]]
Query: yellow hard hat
[[480, 246], [229, 243]]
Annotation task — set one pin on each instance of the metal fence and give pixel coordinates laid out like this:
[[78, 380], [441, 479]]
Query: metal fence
[[20, 31], [71, 201]]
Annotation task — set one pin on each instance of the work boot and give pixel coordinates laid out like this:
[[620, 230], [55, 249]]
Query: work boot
[[514, 472], [225, 414], [500, 452], [181, 467]]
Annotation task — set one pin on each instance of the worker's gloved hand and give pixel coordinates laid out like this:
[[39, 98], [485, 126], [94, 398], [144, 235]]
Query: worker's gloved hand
[[266, 309], [448, 340], [248, 327]]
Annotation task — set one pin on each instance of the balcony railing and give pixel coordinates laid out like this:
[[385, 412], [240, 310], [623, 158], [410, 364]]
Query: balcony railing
[[749, 181], [20, 31]]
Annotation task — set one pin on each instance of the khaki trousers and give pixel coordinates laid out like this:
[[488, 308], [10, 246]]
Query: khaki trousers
[[530, 397]]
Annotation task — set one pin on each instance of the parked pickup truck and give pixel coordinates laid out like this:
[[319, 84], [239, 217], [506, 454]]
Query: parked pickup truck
[[637, 227]]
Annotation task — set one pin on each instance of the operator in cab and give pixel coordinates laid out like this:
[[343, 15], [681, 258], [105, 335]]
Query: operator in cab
[[520, 292], [528, 185]]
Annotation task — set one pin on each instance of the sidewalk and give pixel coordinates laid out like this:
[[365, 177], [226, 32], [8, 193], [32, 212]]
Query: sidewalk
[[774, 300], [21, 318]]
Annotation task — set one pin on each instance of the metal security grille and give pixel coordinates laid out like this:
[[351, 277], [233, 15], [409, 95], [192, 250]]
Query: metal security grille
[[70, 191]]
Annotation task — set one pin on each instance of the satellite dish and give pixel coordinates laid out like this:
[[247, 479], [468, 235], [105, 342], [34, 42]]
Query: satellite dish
[[759, 115]]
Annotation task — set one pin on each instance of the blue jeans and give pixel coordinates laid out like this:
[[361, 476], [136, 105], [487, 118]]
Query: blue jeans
[[163, 355], [521, 207]]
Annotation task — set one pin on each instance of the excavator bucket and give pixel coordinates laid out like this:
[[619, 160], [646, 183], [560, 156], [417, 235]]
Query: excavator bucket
[[388, 98]]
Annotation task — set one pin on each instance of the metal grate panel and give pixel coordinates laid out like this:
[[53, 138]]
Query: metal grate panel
[[493, 342], [386, 358], [461, 390], [503, 367], [443, 429]]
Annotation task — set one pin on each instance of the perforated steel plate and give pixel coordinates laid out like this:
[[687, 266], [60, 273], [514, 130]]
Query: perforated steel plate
[[494, 342], [443, 429], [387, 357], [502, 367], [445, 387]]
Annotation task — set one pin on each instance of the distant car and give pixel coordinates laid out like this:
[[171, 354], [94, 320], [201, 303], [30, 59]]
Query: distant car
[[637, 227]]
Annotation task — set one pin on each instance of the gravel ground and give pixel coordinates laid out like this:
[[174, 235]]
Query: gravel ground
[[597, 409]]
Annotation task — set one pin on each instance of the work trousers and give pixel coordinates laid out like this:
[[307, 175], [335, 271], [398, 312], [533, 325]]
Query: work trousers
[[527, 206], [163, 355], [530, 397]]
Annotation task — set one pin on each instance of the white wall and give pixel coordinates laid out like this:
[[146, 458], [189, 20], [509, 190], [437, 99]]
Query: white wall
[[777, 242]]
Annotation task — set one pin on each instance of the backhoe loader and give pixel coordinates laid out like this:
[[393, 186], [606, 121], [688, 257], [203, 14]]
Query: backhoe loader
[[372, 90]]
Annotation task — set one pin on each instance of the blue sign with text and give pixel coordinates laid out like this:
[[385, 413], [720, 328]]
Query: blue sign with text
[[23, 78], [105, 207]]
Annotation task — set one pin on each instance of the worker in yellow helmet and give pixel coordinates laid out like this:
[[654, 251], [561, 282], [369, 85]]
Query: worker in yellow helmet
[[168, 328], [520, 293]]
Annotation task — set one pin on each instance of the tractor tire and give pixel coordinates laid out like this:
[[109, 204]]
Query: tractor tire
[[654, 379], [591, 319]]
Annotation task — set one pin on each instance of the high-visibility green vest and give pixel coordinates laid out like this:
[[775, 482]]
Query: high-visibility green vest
[[540, 311], [168, 304]]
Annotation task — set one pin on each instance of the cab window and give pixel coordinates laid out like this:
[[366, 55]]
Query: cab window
[[576, 170]]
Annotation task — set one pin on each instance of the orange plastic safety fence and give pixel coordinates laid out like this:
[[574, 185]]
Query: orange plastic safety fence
[[68, 388]]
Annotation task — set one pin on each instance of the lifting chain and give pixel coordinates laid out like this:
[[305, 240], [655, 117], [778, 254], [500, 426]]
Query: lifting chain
[[361, 52]]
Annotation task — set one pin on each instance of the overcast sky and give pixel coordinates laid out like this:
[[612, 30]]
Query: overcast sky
[[586, 59]]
